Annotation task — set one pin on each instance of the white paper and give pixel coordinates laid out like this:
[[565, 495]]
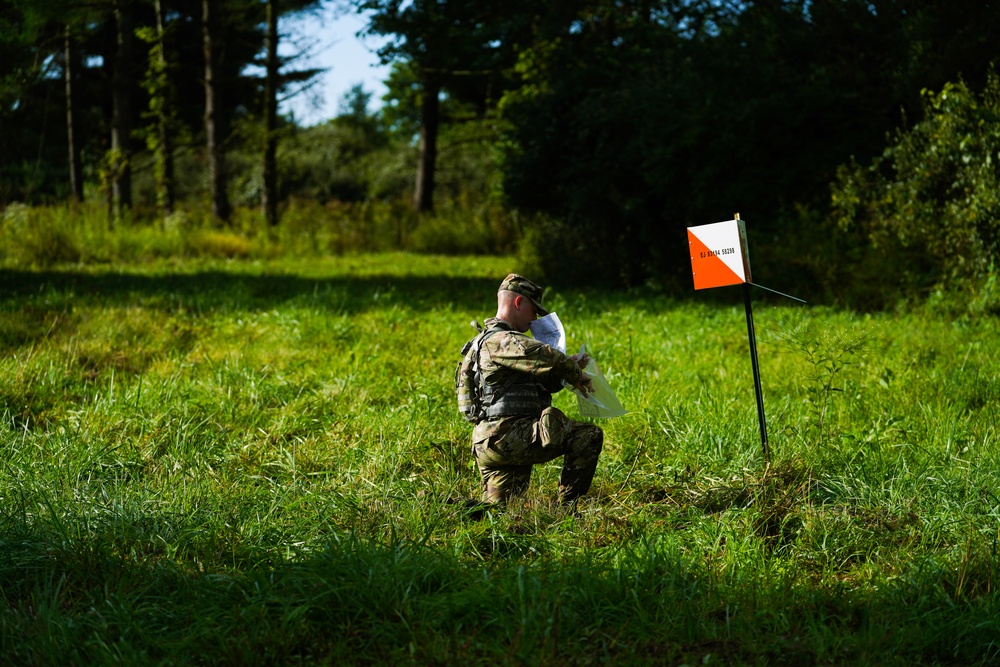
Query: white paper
[[549, 330]]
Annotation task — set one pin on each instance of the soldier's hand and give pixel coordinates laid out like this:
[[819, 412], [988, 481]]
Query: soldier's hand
[[585, 385], [581, 359]]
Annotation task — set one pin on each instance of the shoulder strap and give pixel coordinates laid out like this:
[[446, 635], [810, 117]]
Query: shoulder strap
[[486, 333]]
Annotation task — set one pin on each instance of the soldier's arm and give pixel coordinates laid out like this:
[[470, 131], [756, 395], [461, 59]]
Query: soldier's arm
[[527, 355]]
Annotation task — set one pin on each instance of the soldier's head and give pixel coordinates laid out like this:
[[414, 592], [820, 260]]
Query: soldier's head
[[519, 301]]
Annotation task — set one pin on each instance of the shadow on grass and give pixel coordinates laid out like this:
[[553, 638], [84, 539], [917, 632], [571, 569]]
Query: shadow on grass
[[241, 289], [237, 290], [357, 602]]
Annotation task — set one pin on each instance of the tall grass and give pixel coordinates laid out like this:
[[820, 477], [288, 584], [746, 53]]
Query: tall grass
[[261, 462], [58, 235]]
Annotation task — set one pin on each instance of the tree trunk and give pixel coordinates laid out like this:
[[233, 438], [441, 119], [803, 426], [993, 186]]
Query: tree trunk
[[165, 144], [123, 115], [423, 194], [269, 196], [73, 146], [213, 138]]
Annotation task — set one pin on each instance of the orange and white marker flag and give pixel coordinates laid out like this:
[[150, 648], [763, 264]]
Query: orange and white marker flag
[[719, 254]]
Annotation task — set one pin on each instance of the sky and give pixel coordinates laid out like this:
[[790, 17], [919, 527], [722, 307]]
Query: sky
[[349, 60]]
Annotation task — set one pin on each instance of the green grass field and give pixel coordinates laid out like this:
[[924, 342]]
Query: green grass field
[[260, 463]]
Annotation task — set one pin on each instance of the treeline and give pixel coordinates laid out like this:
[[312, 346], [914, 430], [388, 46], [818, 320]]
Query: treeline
[[91, 90], [633, 126], [590, 132]]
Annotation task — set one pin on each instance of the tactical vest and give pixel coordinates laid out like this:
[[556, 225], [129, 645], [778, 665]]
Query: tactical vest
[[469, 377], [519, 394]]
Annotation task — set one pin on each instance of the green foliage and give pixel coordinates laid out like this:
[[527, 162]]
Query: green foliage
[[33, 135], [338, 160], [359, 159], [34, 239], [829, 353], [622, 123], [401, 104], [337, 228], [635, 121], [923, 215], [463, 46], [59, 235], [464, 230], [569, 154]]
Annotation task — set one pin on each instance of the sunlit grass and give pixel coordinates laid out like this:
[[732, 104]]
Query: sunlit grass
[[261, 461]]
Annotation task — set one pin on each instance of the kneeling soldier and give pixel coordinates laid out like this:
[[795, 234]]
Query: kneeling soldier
[[518, 426]]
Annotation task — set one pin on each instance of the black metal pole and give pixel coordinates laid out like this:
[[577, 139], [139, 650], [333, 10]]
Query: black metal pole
[[756, 373]]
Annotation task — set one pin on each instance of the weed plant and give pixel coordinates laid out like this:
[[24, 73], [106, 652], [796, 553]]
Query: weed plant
[[260, 461]]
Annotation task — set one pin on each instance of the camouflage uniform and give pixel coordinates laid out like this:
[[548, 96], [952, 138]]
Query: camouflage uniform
[[506, 447]]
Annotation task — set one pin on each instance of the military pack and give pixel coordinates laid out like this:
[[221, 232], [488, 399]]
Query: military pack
[[468, 377]]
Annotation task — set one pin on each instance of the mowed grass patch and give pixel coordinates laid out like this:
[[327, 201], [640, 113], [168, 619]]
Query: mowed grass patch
[[256, 462]]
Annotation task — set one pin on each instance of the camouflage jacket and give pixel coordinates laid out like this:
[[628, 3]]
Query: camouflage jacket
[[508, 352]]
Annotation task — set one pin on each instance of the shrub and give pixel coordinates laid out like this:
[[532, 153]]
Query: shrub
[[923, 216], [35, 237], [215, 243], [465, 230], [48, 236]]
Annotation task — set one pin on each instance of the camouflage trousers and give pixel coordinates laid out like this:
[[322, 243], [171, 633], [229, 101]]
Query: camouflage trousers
[[507, 448]]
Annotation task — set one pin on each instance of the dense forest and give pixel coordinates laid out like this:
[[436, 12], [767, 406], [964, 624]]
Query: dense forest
[[859, 139]]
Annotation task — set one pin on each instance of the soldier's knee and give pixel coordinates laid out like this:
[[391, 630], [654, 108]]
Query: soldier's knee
[[597, 439], [588, 444]]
